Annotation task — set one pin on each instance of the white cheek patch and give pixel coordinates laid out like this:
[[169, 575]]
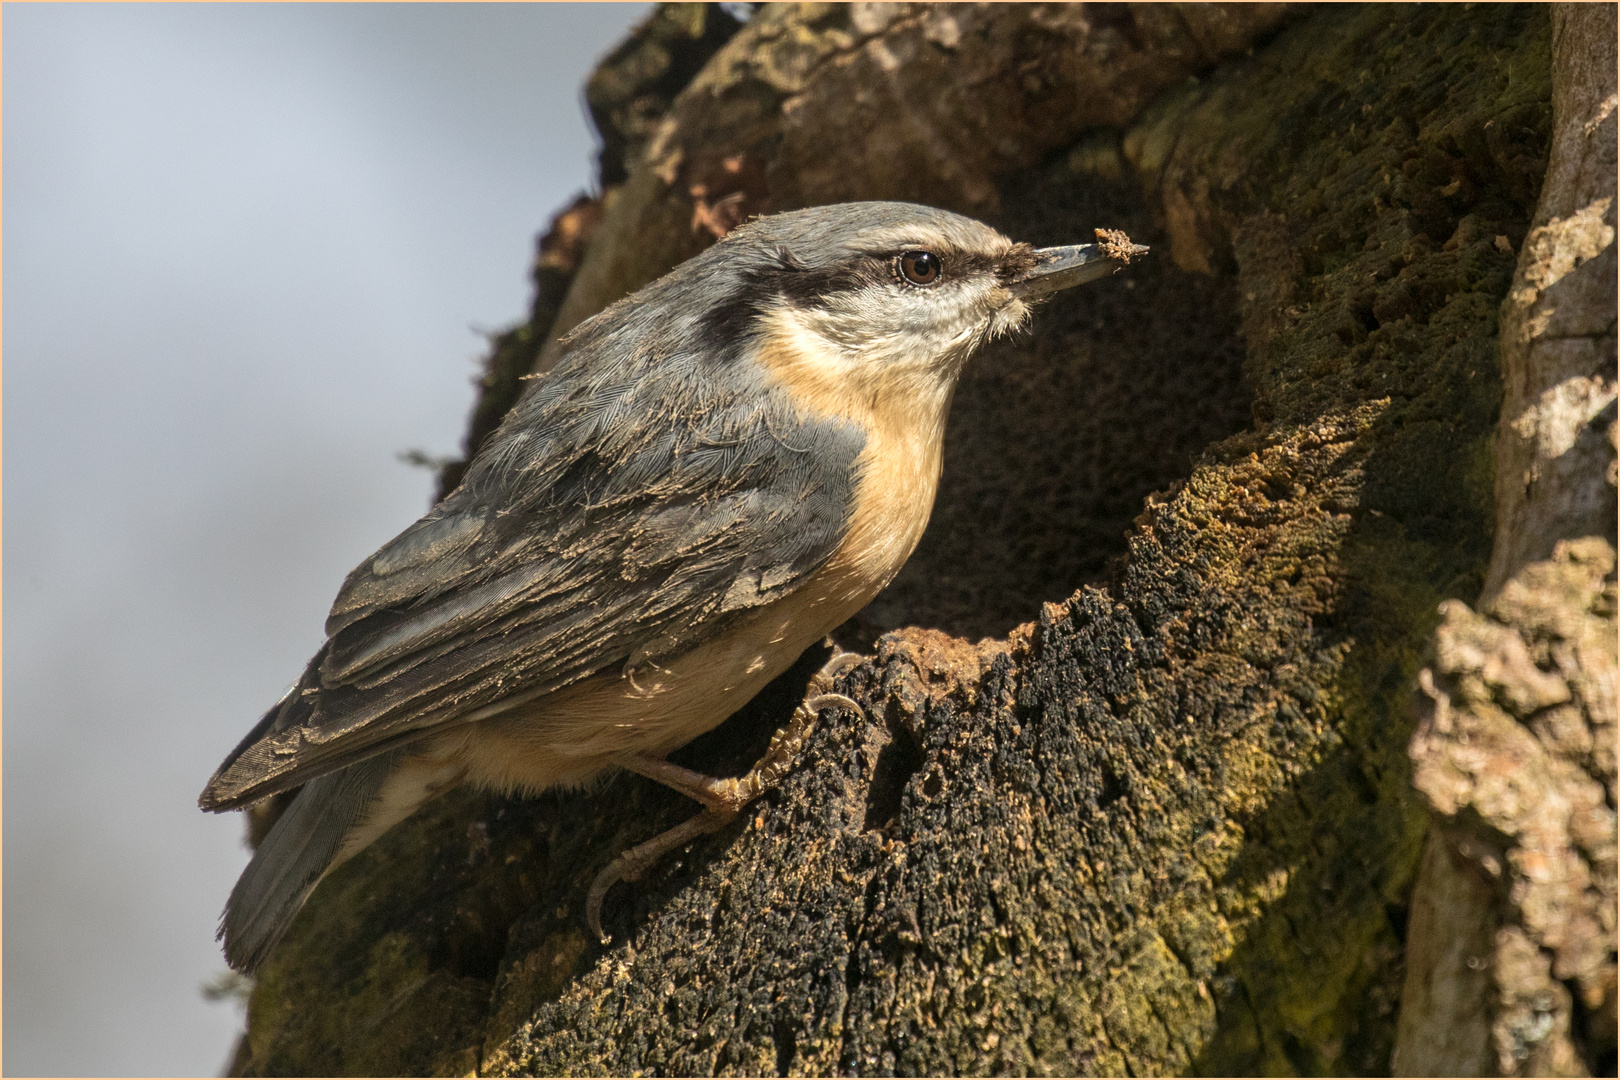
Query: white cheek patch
[[925, 329]]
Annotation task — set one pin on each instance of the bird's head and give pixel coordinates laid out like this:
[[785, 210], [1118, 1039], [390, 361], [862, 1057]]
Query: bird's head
[[881, 299]]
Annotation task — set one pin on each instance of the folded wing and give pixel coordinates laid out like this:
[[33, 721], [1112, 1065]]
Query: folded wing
[[617, 515]]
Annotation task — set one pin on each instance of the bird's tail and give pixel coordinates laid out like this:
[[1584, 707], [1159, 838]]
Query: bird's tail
[[293, 857]]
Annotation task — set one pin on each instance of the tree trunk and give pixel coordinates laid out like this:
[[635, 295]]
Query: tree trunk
[[1511, 955], [1133, 791]]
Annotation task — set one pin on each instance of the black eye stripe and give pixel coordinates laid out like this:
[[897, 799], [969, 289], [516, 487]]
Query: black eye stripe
[[781, 277]]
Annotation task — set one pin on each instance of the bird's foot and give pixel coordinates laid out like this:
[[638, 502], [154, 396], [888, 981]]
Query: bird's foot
[[723, 798]]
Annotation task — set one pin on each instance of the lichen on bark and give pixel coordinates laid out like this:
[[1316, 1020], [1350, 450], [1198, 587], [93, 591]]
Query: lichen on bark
[[1164, 824]]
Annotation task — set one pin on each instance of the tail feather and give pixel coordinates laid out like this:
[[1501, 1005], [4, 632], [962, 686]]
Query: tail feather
[[294, 856]]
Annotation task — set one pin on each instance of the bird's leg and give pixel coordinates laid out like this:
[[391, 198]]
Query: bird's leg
[[724, 798]]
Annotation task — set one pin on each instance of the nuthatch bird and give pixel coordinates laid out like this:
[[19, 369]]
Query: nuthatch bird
[[722, 468]]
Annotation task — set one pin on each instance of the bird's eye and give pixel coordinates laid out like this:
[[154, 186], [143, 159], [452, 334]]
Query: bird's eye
[[921, 267]]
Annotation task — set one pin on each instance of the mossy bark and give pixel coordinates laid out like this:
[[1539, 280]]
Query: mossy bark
[[1160, 818]]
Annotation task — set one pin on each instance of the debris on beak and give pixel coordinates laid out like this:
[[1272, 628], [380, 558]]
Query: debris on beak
[[1058, 268]]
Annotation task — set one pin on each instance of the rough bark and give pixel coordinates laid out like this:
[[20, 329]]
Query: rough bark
[[1159, 818], [1555, 448], [1511, 956]]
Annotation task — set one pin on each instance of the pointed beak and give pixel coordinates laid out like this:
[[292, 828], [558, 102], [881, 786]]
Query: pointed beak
[[1058, 268]]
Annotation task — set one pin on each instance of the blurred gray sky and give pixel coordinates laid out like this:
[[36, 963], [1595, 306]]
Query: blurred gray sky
[[245, 249]]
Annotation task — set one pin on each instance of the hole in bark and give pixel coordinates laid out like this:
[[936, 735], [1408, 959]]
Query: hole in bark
[[1397, 915], [1112, 787], [1593, 1031], [1304, 1060], [1058, 435], [852, 983], [897, 763], [476, 955], [787, 1044]]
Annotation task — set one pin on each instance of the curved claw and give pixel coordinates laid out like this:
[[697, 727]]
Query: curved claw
[[840, 663], [829, 700], [611, 875]]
